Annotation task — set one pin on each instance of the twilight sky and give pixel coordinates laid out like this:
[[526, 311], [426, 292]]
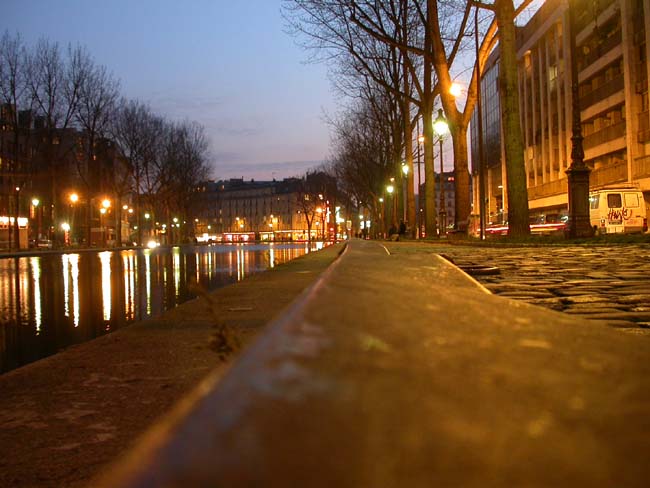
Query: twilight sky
[[225, 64]]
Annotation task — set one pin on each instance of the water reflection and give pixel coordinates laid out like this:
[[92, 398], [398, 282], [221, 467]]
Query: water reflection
[[51, 301]]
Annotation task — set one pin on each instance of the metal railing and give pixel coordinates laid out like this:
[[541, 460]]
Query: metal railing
[[602, 136], [600, 50], [607, 175], [550, 188], [610, 88], [641, 167]]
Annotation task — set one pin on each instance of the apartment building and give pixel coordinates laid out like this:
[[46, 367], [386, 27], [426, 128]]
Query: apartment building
[[612, 57], [268, 210]]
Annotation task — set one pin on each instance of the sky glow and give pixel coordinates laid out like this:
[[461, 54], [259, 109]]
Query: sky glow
[[227, 65]]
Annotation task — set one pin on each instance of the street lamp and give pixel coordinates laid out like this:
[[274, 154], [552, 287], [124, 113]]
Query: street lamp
[[37, 216], [405, 172], [441, 127], [418, 216], [578, 172], [479, 119], [102, 212], [390, 189], [73, 198]]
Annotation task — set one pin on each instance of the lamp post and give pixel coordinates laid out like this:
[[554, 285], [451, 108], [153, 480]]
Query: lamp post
[[479, 118], [441, 127], [382, 217], [390, 189], [73, 198], [578, 172], [106, 204], [405, 173], [418, 216], [37, 217]]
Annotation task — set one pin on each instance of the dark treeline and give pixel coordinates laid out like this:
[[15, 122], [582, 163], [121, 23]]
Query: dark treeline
[[65, 126], [395, 63]]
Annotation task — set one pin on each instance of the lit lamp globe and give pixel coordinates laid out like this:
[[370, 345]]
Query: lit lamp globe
[[390, 189], [456, 90], [440, 125], [405, 169]]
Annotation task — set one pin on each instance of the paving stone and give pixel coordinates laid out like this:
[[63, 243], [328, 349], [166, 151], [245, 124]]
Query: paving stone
[[607, 283], [591, 313], [632, 316], [586, 299], [526, 294]]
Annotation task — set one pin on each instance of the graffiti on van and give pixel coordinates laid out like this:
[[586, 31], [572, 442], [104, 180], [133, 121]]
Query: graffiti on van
[[620, 214]]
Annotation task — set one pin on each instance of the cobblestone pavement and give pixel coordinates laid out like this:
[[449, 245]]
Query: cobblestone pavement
[[603, 283]]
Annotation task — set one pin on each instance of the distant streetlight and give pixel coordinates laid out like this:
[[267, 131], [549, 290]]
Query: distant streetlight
[[102, 212], [65, 227], [441, 127], [37, 216], [455, 90], [405, 172], [390, 189]]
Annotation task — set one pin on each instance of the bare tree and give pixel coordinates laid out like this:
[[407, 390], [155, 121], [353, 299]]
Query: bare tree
[[16, 104], [55, 82], [505, 14], [137, 131], [183, 167], [98, 94]]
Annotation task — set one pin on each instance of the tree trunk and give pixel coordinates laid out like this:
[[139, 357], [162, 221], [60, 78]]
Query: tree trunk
[[461, 179], [509, 98], [430, 222]]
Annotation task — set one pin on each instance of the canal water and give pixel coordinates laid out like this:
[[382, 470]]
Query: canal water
[[51, 301]]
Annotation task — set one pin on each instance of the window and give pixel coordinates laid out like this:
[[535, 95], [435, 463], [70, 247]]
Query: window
[[593, 202], [614, 200], [631, 200]]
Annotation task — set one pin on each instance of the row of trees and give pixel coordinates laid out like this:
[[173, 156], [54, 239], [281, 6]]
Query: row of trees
[[397, 61], [59, 103]]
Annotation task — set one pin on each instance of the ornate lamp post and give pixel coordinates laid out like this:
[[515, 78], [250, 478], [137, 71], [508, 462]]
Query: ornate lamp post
[[418, 216], [73, 198], [405, 172], [106, 204], [441, 127], [578, 172], [390, 189], [37, 217]]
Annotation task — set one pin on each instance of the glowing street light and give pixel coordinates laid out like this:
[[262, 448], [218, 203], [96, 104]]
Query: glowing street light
[[405, 172], [441, 127], [74, 198], [455, 90]]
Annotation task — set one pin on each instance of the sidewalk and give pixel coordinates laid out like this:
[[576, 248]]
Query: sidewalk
[[62, 419], [397, 370]]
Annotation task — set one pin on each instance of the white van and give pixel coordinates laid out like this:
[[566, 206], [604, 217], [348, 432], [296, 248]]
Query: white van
[[619, 210]]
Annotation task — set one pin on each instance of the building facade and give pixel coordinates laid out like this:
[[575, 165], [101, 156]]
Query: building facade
[[286, 210], [612, 57]]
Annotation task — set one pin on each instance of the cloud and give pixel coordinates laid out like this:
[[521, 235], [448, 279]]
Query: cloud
[[264, 171]]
